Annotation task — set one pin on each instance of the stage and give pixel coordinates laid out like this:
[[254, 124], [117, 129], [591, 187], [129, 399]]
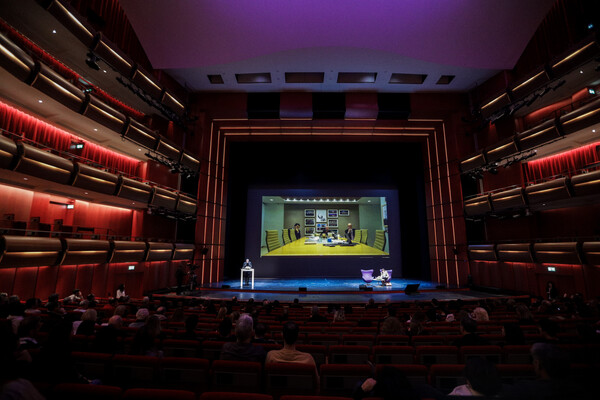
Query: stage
[[328, 290]]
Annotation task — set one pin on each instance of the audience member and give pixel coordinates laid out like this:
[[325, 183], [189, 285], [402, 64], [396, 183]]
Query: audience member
[[548, 330], [28, 333], [147, 339], [480, 314], [296, 304], [289, 354], [389, 384], [316, 316], [87, 325], [140, 318], [482, 379], [513, 334], [107, 337], [468, 327], [391, 325], [260, 330], [242, 349], [73, 298], [224, 331]]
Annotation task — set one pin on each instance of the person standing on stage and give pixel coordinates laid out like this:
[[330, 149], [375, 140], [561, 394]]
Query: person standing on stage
[[297, 231], [179, 276], [247, 265], [350, 232]]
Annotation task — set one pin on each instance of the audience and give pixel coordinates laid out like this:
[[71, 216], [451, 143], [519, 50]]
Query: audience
[[47, 334]]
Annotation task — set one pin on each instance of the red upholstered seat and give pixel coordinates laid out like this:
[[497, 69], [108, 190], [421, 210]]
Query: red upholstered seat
[[184, 373], [236, 376], [290, 378], [339, 379], [234, 396], [393, 354], [158, 394], [78, 391]]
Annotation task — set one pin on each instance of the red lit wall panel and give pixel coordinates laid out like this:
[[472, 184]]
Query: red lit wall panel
[[7, 278], [84, 278], [25, 282], [99, 287], [67, 278], [46, 281]]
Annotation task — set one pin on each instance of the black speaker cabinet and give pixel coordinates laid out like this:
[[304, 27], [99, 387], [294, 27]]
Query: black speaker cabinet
[[302, 289], [411, 288]]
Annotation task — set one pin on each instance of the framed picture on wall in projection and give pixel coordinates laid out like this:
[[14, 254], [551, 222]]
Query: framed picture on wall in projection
[[344, 213], [309, 231], [309, 222], [334, 231], [333, 223], [332, 213], [320, 227], [321, 215], [309, 212]]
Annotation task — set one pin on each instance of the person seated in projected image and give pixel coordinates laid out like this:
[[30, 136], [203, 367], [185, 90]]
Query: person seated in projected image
[[384, 277], [326, 233], [297, 232], [349, 233]]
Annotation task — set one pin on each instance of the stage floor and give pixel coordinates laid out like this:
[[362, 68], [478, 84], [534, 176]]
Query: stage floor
[[332, 290]]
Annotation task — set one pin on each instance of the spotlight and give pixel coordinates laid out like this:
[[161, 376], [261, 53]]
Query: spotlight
[[92, 61]]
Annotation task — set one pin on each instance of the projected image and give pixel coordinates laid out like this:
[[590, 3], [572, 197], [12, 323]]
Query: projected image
[[353, 226]]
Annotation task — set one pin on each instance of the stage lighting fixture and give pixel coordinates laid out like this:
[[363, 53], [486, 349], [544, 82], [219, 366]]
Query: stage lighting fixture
[[92, 61]]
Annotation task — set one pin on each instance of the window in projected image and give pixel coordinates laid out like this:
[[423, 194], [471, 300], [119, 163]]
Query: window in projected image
[[324, 226]]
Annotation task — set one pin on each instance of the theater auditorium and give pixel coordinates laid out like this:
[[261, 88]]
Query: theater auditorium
[[299, 200]]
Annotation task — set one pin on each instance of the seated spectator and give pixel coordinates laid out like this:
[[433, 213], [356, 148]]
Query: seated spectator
[[513, 334], [339, 314], [222, 313], [284, 316], [87, 325], [260, 330], [548, 330], [524, 315], [16, 312], [480, 314], [12, 371], [468, 327], [482, 379], [242, 349], [53, 298], [389, 384], [140, 318], [160, 313], [91, 298], [73, 298], [295, 304], [32, 307], [370, 304], [28, 333], [121, 296], [391, 325], [147, 339], [224, 330], [107, 337], [190, 328], [416, 325], [110, 306], [178, 315], [552, 368], [289, 354], [316, 316]]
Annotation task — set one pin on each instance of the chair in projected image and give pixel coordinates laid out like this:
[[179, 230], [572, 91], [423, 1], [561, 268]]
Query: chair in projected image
[[367, 275], [285, 234], [292, 234], [273, 240], [357, 235], [364, 234], [379, 240]]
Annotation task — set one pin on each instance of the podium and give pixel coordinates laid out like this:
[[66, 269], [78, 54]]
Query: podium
[[246, 270]]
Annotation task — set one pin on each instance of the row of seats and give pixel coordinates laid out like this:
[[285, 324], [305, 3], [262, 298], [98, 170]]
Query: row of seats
[[584, 184], [552, 253], [38, 75], [26, 251], [77, 391], [545, 132], [200, 375], [27, 159]]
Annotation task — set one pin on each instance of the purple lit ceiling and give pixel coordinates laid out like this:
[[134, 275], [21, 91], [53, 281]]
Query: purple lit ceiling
[[471, 39]]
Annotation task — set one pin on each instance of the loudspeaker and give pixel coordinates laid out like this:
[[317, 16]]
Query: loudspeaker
[[302, 289], [366, 288], [411, 288], [225, 286], [393, 105], [329, 105], [263, 105]]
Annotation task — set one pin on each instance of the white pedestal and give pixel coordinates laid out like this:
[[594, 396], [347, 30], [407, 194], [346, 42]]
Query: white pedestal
[[246, 270]]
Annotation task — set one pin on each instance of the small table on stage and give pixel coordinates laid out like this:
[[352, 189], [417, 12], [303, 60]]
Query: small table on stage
[[244, 270]]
